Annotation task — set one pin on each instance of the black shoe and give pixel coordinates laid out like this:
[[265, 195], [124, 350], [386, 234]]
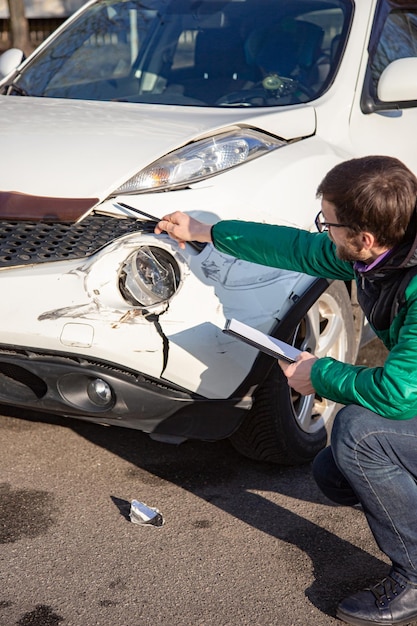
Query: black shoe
[[392, 601]]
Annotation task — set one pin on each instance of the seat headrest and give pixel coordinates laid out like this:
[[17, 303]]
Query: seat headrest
[[219, 51]]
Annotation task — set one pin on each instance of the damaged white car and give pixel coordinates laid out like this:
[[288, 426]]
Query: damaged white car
[[229, 109]]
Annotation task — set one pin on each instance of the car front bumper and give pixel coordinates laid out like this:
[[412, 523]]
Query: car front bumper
[[59, 384]]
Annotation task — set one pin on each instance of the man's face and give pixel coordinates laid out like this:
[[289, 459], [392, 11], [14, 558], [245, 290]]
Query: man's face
[[349, 247]]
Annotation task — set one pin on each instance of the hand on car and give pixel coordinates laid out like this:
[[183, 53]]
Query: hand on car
[[299, 373], [181, 227]]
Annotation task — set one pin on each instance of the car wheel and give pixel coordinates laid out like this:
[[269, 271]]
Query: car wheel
[[283, 426]]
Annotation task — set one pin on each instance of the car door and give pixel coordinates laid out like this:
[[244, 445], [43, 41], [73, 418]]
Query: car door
[[388, 127]]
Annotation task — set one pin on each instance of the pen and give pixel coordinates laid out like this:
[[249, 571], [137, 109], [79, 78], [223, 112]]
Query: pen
[[147, 215], [194, 244]]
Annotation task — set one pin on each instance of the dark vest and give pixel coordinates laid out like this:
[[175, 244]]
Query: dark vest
[[380, 293]]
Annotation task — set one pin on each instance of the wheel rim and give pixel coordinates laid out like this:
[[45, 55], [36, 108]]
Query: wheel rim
[[323, 333]]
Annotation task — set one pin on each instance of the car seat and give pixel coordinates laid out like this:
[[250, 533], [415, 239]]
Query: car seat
[[220, 65], [290, 48]]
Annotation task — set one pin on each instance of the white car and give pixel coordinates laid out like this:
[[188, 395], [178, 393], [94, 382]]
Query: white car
[[230, 109]]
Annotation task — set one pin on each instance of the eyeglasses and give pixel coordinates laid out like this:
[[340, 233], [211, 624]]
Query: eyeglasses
[[323, 226]]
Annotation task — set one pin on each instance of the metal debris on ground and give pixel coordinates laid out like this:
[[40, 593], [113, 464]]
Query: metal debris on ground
[[141, 513]]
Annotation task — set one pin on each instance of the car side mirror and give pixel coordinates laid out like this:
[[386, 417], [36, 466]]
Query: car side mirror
[[398, 81], [9, 61]]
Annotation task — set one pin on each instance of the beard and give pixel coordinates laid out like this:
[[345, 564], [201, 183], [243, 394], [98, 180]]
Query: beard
[[351, 250], [345, 253]]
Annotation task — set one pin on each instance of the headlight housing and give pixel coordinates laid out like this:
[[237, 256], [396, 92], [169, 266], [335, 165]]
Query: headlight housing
[[200, 160], [149, 276]]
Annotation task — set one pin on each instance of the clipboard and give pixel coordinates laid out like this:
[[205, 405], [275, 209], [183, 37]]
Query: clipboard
[[256, 338]]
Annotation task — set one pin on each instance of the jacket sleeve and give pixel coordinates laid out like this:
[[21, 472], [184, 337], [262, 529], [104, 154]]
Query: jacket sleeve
[[281, 246], [391, 390]]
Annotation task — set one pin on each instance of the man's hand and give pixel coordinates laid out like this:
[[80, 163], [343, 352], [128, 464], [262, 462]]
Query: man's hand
[[182, 228], [298, 373]]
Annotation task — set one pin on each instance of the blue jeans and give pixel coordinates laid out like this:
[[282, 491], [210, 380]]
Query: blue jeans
[[373, 460]]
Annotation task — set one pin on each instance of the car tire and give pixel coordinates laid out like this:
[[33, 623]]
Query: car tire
[[284, 427]]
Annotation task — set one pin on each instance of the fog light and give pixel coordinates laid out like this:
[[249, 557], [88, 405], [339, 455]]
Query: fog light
[[99, 392]]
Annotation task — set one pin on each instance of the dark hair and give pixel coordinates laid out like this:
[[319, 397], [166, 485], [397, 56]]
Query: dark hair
[[377, 194]]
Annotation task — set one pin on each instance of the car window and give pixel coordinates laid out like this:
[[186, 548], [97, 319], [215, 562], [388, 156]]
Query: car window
[[205, 53], [398, 40]]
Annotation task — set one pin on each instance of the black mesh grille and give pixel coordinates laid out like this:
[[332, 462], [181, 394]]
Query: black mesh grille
[[23, 243]]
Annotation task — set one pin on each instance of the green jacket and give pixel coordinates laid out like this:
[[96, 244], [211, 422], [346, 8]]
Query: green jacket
[[391, 390]]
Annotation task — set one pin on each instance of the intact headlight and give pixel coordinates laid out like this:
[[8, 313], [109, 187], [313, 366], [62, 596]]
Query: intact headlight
[[149, 276], [201, 159]]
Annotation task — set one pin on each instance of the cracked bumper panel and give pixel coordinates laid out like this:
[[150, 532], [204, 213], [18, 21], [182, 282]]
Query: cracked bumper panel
[[98, 392]]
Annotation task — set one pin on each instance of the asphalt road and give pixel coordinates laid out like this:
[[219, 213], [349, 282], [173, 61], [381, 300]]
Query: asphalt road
[[242, 544]]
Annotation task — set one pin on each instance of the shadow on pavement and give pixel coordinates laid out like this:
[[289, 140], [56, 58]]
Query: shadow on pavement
[[216, 473]]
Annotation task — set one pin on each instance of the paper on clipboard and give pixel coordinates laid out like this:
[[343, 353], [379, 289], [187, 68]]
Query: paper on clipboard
[[256, 338]]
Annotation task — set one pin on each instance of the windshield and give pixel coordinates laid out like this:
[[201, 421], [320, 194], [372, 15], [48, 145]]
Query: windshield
[[193, 52]]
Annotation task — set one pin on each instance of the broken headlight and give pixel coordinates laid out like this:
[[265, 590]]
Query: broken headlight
[[149, 276]]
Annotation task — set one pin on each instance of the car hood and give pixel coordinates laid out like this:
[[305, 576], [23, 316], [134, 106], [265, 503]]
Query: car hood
[[80, 149]]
